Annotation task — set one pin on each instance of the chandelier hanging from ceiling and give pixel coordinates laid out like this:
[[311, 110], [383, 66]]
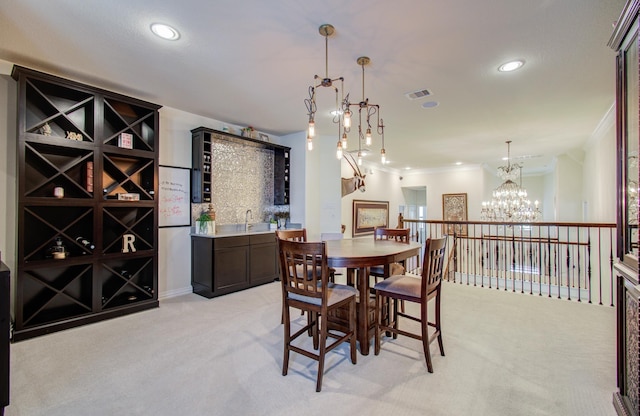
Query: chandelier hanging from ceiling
[[510, 202], [342, 114], [325, 30], [369, 110]]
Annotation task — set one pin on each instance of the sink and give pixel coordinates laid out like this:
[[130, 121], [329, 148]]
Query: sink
[[242, 228]]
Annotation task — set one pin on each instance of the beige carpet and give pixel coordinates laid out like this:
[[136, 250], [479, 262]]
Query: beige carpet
[[507, 354]]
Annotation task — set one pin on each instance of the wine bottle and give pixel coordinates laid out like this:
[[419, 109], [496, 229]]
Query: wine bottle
[[85, 243]]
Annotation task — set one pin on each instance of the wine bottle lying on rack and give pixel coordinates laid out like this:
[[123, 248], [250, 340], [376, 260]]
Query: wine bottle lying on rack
[[85, 243]]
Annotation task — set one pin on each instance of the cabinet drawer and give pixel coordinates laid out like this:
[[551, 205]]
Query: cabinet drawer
[[226, 242], [263, 238]]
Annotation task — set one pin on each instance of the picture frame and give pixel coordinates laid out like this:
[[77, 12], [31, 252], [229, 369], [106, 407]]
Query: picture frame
[[454, 208], [368, 215], [263, 137], [125, 140]]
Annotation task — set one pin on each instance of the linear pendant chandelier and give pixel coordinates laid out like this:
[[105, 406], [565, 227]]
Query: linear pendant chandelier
[[370, 110], [325, 30], [342, 112]]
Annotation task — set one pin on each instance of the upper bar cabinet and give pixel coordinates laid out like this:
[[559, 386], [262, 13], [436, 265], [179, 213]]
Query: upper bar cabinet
[[204, 163]]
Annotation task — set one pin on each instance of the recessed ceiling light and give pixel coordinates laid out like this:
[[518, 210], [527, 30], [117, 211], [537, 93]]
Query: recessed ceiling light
[[430, 104], [458, 163], [511, 66], [165, 31]]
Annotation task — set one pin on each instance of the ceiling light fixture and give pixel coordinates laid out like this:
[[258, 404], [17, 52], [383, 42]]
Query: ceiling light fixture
[[325, 30], [511, 66], [370, 111], [165, 31], [510, 203]]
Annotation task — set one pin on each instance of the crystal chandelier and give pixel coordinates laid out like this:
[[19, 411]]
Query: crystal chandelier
[[370, 110], [325, 30], [510, 202]]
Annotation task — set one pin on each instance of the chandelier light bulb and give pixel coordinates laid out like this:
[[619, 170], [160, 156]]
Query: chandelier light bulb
[[383, 156], [344, 141], [309, 143], [347, 119], [312, 128], [359, 157], [367, 137], [339, 150]]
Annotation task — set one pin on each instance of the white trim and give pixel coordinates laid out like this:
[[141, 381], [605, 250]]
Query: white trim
[[175, 292]]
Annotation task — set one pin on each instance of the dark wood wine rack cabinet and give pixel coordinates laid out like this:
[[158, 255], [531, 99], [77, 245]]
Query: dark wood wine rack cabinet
[[87, 182]]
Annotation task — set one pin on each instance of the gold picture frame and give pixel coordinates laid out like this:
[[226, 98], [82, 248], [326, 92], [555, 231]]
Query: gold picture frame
[[369, 214], [454, 208]]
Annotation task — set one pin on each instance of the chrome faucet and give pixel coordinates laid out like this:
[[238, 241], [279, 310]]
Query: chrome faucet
[[246, 219]]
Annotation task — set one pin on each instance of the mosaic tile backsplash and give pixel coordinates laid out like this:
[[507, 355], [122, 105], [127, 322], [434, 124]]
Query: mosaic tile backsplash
[[242, 179]]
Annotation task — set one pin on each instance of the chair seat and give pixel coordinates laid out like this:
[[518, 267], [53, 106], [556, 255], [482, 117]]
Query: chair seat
[[335, 294], [406, 285], [394, 268]]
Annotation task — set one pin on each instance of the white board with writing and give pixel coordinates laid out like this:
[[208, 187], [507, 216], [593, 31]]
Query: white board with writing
[[175, 197]]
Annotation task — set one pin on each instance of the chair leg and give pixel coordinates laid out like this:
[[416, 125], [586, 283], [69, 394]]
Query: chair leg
[[353, 330], [438, 323], [313, 319], [287, 339], [323, 348], [379, 305], [425, 336]]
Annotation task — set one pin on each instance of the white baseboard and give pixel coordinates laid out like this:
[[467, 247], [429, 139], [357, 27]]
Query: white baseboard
[[175, 292]]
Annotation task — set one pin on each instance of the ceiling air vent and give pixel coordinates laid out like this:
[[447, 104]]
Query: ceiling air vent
[[417, 94]]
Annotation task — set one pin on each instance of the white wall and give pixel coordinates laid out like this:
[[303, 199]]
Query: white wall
[[8, 171], [469, 180], [599, 172], [568, 189]]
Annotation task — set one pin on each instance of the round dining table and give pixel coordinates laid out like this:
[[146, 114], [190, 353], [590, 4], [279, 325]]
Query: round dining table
[[357, 256]]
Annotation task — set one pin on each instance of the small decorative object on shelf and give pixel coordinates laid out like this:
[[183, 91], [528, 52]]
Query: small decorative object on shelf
[[74, 136], [58, 192], [59, 252], [129, 197], [89, 176], [45, 130], [249, 132], [125, 140]]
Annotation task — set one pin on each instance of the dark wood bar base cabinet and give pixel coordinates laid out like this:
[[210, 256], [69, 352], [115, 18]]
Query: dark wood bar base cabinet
[[224, 265], [87, 206], [625, 41]]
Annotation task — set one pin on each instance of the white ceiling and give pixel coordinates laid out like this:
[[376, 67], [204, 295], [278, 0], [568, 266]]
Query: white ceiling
[[250, 62]]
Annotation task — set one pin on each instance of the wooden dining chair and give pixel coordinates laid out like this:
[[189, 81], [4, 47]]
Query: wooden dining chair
[[417, 289], [293, 235], [301, 235], [401, 235], [305, 285]]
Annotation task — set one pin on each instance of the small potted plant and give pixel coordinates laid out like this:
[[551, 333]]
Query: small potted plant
[[205, 224], [282, 218]]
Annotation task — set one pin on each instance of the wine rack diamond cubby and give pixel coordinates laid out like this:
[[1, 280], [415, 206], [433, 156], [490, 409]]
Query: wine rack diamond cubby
[[87, 206]]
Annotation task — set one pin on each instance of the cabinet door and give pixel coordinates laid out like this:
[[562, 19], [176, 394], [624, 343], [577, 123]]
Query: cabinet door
[[264, 267], [230, 269], [230, 264]]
